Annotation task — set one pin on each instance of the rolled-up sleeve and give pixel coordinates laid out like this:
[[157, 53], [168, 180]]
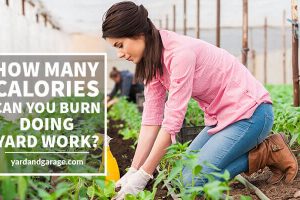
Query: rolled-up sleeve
[[155, 95], [182, 71]]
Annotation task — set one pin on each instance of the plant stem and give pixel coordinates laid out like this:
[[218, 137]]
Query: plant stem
[[248, 185]]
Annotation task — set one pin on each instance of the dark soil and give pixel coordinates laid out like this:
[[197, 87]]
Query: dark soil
[[124, 153], [280, 191], [121, 149]]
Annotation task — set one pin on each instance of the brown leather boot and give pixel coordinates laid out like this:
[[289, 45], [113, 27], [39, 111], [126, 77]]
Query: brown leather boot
[[276, 154], [258, 158], [282, 157]]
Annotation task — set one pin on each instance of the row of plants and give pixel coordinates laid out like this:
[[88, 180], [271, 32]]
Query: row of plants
[[286, 116], [287, 120], [64, 188], [129, 117]]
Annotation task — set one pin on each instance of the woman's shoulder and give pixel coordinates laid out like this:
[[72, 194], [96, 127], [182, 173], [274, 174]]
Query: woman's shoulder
[[175, 43]]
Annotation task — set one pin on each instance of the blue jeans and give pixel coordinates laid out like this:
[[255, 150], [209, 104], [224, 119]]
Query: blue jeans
[[229, 148]]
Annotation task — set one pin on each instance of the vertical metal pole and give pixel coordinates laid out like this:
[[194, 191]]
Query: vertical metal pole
[[184, 17], [284, 47], [198, 20], [295, 52], [174, 18], [218, 23], [265, 51], [245, 33]]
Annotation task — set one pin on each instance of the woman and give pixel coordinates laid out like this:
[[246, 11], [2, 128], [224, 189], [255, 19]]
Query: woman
[[124, 82], [238, 109]]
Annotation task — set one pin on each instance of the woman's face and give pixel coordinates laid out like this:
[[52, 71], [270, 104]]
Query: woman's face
[[131, 49]]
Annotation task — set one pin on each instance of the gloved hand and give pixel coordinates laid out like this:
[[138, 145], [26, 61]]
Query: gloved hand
[[135, 183], [122, 181]]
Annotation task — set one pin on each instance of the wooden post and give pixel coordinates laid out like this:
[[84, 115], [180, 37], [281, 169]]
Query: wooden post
[[252, 53], [218, 23], [45, 20], [167, 22], [265, 51], [23, 7], [184, 18], [174, 18], [198, 20], [284, 47], [37, 18], [295, 52], [245, 33]]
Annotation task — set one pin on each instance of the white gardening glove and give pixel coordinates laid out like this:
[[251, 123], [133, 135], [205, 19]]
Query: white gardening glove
[[123, 181], [135, 183]]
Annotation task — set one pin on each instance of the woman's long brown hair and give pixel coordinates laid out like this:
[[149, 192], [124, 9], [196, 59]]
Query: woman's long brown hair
[[126, 19]]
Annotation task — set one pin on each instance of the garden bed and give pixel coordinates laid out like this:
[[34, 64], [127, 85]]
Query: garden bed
[[124, 153]]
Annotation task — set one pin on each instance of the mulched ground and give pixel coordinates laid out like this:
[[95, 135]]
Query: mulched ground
[[124, 153]]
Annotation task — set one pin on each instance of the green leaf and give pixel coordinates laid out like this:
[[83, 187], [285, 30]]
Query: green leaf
[[176, 170], [61, 189], [109, 189], [160, 177], [91, 192], [294, 138], [8, 189], [44, 195], [145, 195], [197, 170], [22, 187], [245, 197], [130, 197]]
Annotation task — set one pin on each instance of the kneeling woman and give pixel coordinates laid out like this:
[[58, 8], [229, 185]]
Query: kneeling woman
[[238, 109]]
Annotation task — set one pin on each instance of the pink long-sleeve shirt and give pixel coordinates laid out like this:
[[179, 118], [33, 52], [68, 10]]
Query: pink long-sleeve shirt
[[224, 89]]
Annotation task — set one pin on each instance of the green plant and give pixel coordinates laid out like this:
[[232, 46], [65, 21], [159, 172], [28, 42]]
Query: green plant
[[245, 197], [286, 117], [129, 114], [194, 115], [143, 195], [178, 158]]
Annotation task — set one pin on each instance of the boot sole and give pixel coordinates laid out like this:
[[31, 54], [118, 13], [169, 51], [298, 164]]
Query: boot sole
[[286, 142]]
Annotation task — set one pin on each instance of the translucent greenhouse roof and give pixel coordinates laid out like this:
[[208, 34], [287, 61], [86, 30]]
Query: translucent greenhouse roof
[[86, 15]]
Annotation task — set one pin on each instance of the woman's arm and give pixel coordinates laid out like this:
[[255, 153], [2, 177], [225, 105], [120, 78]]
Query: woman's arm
[[182, 71], [146, 140], [162, 142], [113, 92]]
